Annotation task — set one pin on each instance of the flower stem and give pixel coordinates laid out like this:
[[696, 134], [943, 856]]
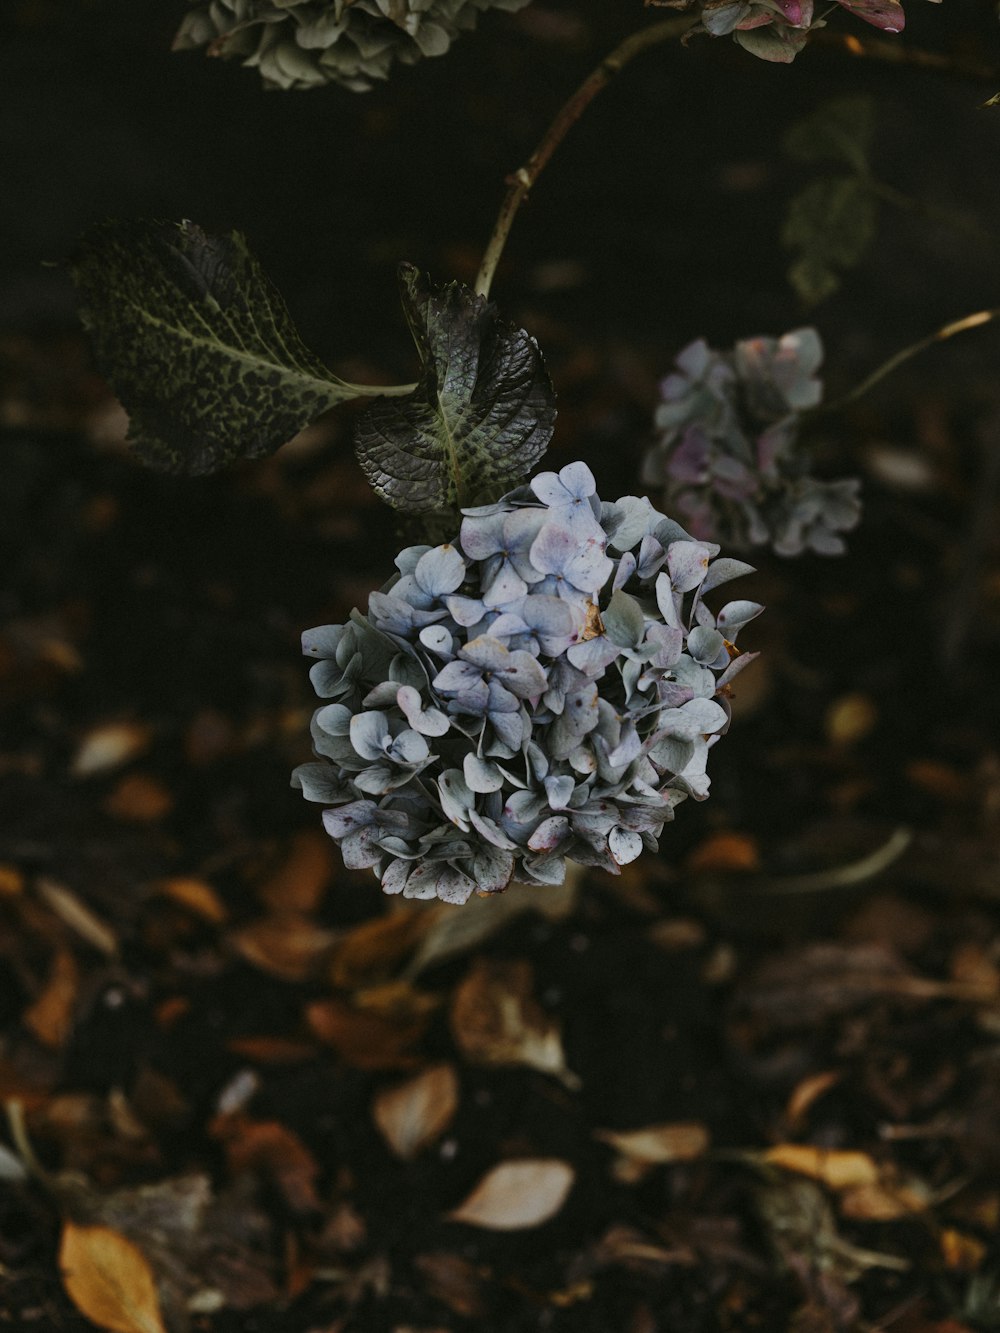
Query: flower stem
[[519, 182], [900, 358]]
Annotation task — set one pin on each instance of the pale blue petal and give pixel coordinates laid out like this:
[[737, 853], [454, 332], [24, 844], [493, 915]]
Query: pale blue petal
[[369, 734], [483, 537], [624, 846], [688, 564], [395, 876], [705, 645], [319, 782], [429, 722], [480, 775], [559, 790], [549, 834], [456, 797]]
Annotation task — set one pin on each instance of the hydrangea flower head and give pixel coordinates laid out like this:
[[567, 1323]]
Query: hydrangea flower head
[[544, 689], [306, 43], [727, 456], [777, 30]]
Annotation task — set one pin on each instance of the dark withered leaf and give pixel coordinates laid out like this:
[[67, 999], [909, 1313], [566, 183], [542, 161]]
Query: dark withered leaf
[[197, 344], [830, 225], [480, 417]]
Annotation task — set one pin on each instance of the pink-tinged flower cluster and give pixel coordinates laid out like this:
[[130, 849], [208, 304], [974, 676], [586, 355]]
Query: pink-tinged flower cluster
[[777, 30]]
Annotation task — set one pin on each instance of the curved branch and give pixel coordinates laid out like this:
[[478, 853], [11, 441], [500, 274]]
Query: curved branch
[[519, 182]]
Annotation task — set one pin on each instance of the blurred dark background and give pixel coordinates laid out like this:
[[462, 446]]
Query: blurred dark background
[[658, 220]]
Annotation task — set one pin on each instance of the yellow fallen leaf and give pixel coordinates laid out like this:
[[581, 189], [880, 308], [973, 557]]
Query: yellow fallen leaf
[[656, 1144], [882, 1203], [961, 1252], [109, 1280], [413, 1114], [840, 1170], [109, 746], [850, 718], [517, 1195]]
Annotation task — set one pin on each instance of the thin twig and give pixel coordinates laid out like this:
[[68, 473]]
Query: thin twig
[[520, 181], [898, 53], [900, 358]]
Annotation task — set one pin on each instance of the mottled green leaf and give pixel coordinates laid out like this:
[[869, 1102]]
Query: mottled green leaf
[[837, 131], [830, 224], [197, 344], [480, 417]]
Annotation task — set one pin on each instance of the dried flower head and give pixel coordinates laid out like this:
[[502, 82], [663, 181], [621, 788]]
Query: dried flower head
[[727, 456], [306, 43], [546, 688]]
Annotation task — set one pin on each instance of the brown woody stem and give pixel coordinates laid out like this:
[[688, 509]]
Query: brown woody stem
[[519, 182]]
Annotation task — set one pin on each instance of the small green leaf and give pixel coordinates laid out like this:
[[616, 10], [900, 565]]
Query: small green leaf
[[197, 344], [831, 224], [480, 417], [837, 131]]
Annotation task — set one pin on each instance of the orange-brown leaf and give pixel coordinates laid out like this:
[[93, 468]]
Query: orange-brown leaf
[[109, 1280], [838, 1169], [301, 880], [268, 1147], [50, 1017], [365, 1040]]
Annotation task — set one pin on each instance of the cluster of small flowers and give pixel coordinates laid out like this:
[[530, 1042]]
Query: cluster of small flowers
[[726, 452], [306, 43], [777, 30], [545, 689]]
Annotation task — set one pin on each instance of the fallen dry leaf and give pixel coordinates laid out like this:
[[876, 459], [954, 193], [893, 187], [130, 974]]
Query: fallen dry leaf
[[50, 1017], [291, 947], [723, 853], [365, 1040], [961, 1252], [839, 1170], [301, 880], [139, 799], [516, 1195], [850, 719], [641, 1149], [414, 1113], [808, 1091], [372, 951], [77, 915], [496, 1020], [195, 896], [109, 746], [884, 1202], [270, 1148], [11, 881], [454, 1281], [109, 1280]]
